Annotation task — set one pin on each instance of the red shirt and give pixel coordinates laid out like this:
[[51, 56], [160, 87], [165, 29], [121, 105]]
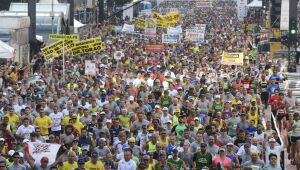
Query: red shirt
[[274, 101]]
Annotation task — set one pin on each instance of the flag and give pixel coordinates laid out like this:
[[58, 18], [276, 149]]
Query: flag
[[38, 150]]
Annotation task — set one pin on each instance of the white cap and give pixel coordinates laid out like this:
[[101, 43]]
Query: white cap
[[21, 154], [2, 139], [11, 152], [131, 98], [26, 140], [165, 108], [218, 96]]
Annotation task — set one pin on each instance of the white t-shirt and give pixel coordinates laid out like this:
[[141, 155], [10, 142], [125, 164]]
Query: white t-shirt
[[25, 131], [276, 150], [56, 119], [242, 151], [130, 165]]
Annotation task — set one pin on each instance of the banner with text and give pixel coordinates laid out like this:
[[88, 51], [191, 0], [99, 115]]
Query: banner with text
[[154, 48], [128, 28], [194, 35], [170, 38], [232, 58], [90, 67]]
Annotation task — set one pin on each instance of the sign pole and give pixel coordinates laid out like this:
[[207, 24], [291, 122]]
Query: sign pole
[[63, 59]]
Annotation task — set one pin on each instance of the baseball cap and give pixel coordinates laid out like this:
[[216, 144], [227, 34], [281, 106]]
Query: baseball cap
[[247, 145], [150, 128], [165, 108], [222, 149], [272, 140], [230, 144], [80, 161], [94, 155], [156, 107], [203, 144], [24, 141], [174, 151], [44, 159], [94, 114], [102, 113], [2, 139], [11, 152], [196, 118], [85, 148], [131, 140], [131, 98]]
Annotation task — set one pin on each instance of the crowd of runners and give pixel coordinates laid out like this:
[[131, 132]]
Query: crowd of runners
[[176, 110]]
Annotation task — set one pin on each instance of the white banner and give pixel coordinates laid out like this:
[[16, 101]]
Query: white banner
[[168, 10], [200, 27], [241, 9], [194, 35], [128, 28], [285, 15], [176, 30], [204, 4], [170, 38], [90, 67], [39, 150], [118, 55], [150, 32]]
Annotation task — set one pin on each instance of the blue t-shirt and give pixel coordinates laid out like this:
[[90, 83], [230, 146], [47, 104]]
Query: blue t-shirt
[[272, 88]]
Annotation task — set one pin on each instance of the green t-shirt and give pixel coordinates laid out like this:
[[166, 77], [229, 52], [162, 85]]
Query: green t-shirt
[[179, 129], [218, 107], [159, 166], [202, 160], [177, 164]]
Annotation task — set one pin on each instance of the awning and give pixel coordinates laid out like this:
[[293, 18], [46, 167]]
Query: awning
[[255, 3], [5, 37], [6, 51]]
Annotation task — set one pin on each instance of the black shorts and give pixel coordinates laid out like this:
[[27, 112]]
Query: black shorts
[[264, 96], [294, 139]]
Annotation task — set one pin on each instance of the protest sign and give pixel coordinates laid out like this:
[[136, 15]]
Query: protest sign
[[170, 38], [150, 23], [194, 35], [118, 55], [87, 46], [53, 50], [232, 58], [200, 27], [38, 150], [154, 48], [274, 46], [139, 23], [164, 21], [128, 28], [176, 30], [90, 67], [63, 37], [204, 4], [150, 32]]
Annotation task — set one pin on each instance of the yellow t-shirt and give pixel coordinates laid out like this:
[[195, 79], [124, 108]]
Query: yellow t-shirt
[[65, 120], [68, 166], [14, 121], [89, 165], [43, 123], [164, 142], [125, 121], [78, 126]]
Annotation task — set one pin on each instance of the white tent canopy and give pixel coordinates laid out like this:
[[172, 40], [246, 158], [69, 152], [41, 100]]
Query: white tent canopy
[[6, 51], [77, 25], [255, 3]]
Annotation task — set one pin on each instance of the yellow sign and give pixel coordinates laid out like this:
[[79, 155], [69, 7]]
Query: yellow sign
[[150, 23], [250, 27], [87, 46], [276, 32], [139, 23], [274, 46], [267, 24], [166, 20], [53, 50], [232, 59], [63, 37]]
